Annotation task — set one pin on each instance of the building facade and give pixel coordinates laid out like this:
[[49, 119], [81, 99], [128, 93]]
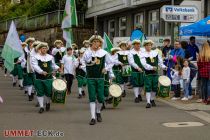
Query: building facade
[[207, 7], [119, 17]]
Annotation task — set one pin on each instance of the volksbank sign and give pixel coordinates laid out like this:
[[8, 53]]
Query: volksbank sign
[[179, 13]]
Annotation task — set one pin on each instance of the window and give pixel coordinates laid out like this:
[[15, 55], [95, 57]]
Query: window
[[111, 28], [122, 26], [154, 27], [139, 20]]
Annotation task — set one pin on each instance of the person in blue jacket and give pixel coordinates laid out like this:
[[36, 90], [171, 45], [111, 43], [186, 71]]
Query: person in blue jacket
[[193, 49]]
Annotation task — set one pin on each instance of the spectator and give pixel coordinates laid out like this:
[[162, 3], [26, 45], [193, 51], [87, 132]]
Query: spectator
[[192, 48], [186, 79], [177, 51], [204, 71], [166, 47], [184, 46], [176, 77]]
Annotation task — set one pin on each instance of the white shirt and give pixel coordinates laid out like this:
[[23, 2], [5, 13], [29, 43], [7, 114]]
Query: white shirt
[[186, 73], [175, 77], [69, 62], [152, 53], [42, 58], [55, 50], [87, 57]]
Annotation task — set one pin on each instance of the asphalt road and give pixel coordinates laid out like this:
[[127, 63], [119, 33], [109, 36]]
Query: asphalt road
[[129, 121]]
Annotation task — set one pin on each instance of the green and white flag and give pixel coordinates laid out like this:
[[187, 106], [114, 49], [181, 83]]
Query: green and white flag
[[107, 45], [12, 48], [69, 20]]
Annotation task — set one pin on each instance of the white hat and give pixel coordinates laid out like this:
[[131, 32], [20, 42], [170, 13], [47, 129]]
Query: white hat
[[36, 43], [86, 41], [30, 39], [148, 42], [136, 41], [121, 43], [23, 43], [115, 49], [42, 44], [58, 41], [96, 37]]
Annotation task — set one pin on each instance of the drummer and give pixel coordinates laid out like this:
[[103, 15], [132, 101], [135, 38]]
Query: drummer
[[81, 74], [43, 65], [95, 59], [150, 61], [122, 60], [137, 70]]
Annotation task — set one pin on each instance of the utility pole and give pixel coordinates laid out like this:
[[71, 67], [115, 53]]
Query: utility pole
[[172, 27]]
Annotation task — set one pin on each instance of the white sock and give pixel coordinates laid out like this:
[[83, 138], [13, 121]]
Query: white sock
[[47, 100], [148, 96], [41, 101], [21, 82], [93, 110], [153, 94], [80, 90], [29, 89], [140, 90], [122, 87], [136, 91], [98, 107]]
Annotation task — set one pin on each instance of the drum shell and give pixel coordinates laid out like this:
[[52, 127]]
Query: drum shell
[[126, 71], [59, 96], [163, 91]]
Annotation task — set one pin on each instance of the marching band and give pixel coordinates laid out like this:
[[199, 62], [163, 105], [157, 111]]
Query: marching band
[[104, 73]]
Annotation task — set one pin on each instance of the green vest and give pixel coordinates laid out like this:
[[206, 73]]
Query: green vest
[[47, 67], [95, 71], [123, 59], [58, 56], [137, 61], [153, 61]]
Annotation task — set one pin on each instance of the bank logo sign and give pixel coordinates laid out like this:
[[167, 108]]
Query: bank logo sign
[[179, 13]]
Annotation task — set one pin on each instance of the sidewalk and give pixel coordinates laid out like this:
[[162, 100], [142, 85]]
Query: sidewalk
[[190, 105]]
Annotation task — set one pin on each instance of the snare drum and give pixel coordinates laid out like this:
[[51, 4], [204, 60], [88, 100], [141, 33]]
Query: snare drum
[[59, 91], [164, 86], [116, 92], [126, 70]]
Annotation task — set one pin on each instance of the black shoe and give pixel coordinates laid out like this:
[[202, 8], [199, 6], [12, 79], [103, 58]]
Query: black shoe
[[79, 97], [26, 92], [92, 122], [103, 106], [148, 105], [37, 105], [14, 84], [41, 110], [153, 103], [136, 100], [30, 98], [98, 115], [123, 94], [47, 106], [109, 100], [83, 93], [140, 98]]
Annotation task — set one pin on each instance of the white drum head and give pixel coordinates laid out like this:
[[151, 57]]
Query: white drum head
[[59, 85], [115, 90], [164, 80]]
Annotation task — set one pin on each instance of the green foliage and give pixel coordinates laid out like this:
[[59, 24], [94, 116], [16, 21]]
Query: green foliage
[[35, 7]]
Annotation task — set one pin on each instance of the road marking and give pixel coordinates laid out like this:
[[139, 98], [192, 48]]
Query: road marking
[[201, 115], [182, 124]]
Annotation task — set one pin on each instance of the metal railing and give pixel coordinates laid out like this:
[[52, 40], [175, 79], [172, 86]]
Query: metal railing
[[47, 20]]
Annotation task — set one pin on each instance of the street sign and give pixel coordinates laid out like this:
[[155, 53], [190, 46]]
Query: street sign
[[172, 13]]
